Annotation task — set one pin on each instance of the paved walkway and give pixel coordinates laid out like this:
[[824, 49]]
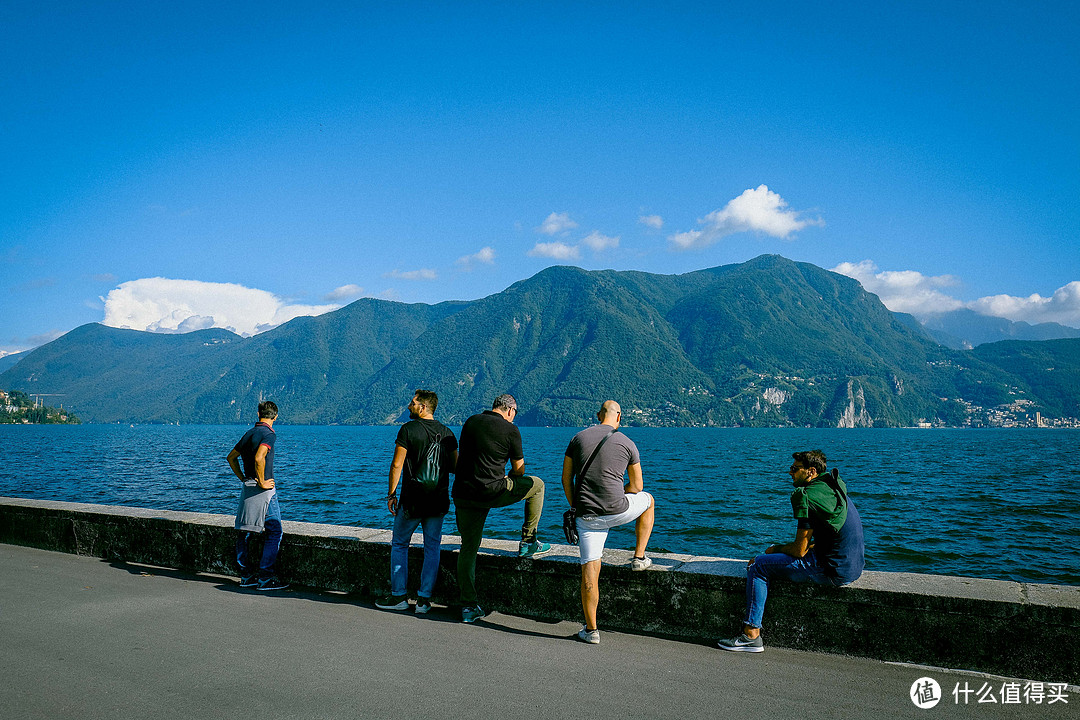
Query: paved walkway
[[83, 638]]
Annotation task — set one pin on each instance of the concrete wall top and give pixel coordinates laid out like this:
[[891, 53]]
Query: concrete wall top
[[941, 586]]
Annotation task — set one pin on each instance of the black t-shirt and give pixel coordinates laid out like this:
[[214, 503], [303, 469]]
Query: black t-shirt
[[415, 436], [488, 442]]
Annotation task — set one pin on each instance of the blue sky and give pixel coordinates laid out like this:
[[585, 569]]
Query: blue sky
[[170, 168]]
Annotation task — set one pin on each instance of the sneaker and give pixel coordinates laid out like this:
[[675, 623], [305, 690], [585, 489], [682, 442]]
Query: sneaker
[[588, 636], [742, 644], [423, 604], [272, 583], [471, 613], [533, 549], [248, 581], [393, 602], [640, 563]]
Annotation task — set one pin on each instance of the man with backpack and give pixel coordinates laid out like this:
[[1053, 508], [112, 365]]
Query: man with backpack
[[424, 456], [827, 549], [599, 457]]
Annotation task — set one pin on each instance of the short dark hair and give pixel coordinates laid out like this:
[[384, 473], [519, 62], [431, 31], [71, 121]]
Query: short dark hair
[[811, 459], [505, 401], [429, 398], [268, 410]]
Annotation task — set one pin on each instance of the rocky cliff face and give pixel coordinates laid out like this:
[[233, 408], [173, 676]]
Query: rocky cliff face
[[854, 413]]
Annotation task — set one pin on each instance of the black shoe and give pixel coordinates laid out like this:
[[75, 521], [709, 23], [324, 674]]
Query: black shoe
[[393, 602]]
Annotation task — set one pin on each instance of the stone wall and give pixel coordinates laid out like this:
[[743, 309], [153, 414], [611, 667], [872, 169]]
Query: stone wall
[[1029, 631]]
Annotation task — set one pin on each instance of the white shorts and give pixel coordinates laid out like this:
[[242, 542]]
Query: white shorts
[[593, 529]]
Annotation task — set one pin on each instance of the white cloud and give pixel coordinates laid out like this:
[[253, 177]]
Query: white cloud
[[912, 292], [556, 223], [485, 255], [343, 293], [598, 242], [652, 221], [421, 274], [556, 251], [173, 306], [1061, 307], [759, 210], [904, 290]]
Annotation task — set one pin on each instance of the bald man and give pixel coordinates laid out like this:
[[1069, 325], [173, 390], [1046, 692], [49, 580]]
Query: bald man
[[602, 501]]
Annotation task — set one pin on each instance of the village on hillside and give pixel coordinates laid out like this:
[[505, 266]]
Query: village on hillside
[[19, 408]]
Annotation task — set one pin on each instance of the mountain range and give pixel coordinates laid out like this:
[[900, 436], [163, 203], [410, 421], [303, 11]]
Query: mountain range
[[769, 342]]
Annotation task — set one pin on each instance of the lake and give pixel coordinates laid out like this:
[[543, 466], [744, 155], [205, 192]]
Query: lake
[[983, 503]]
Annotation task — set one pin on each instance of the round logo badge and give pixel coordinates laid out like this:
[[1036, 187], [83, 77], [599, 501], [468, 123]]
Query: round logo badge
[[925, 693]]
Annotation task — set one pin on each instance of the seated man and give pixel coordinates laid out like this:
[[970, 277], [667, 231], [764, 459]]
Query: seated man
[[825, 514], [599, 456]]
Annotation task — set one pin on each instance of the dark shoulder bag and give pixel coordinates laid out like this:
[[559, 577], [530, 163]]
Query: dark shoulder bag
[[569, 518]]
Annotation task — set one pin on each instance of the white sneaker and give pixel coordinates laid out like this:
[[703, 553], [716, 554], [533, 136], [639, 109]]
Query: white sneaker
[[589, 636], [640, 563]]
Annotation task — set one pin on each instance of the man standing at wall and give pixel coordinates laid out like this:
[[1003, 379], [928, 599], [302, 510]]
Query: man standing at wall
[[488, 441], [825, 515], [424, 456], [258, 511], [599, 456]]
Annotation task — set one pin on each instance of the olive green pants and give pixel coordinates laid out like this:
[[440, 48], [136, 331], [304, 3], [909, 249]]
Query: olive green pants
[[472, 514]]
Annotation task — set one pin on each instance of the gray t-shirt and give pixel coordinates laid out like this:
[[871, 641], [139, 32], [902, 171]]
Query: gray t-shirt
[[602, 491]]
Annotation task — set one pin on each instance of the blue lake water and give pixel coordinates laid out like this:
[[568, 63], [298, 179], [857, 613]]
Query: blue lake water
[[982, 503]]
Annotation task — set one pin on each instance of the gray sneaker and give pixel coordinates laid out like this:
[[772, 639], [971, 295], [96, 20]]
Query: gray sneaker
[[423, 604], [742, 644], [640, 563], [588, 636]]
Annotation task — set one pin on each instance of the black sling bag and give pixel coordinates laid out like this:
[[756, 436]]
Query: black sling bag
[[569, 518]]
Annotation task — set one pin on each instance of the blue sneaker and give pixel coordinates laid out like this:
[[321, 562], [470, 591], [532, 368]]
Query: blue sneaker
[[272, 583], [247, 581], [533, 549], [471, 613]]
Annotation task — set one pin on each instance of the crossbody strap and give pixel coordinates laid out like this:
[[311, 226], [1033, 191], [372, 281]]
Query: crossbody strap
[[588, 463]]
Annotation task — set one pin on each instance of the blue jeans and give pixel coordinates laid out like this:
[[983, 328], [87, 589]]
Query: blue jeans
[[764, 568], [404, 527], [271, 544]]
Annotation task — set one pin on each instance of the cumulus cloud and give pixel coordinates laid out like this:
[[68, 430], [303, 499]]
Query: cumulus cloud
[[556, 251], [598, 242], [652, 221], [174, 306], [484, 256], [923, 296], [1061, 307], [904, 290], [556, 223], [421, 274], [343, 293], [759, 210]]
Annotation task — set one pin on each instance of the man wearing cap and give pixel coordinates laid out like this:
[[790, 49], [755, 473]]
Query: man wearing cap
[[488, 441]]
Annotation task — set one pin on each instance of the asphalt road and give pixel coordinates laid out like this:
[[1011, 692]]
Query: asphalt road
[[83, 638]]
